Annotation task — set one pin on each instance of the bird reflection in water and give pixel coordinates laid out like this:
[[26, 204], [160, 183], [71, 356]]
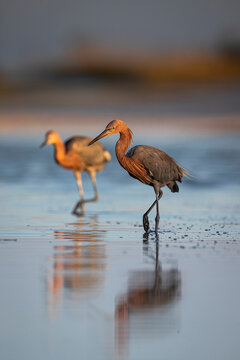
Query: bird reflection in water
[[78, 265], [148, 305]]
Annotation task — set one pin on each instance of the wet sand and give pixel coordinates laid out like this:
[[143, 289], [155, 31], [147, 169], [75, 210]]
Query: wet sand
[[95, 287]]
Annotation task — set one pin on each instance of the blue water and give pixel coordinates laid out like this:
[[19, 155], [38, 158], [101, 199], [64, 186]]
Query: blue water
[[95, 287]]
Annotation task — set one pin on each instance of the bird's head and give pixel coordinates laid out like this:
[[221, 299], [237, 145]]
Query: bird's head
[[115, 126], [51, 137]]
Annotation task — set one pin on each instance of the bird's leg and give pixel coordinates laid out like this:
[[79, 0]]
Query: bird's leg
[[145, 219], [145, 237], [83, 201], [92, 175], [81, 193], [145, 216], [157, 216], [158, 196]]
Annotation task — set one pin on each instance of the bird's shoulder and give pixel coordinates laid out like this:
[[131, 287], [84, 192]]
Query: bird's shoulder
[[77, 142], [146, 152], [80, 143], [159, 164], [91, 155]]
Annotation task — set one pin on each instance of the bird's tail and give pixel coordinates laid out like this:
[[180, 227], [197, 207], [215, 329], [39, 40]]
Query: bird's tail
[[183, 172], [107, 155], [186, 173]]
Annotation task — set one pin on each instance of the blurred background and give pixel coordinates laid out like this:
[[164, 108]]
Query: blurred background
[[177, 64], [171, 70]]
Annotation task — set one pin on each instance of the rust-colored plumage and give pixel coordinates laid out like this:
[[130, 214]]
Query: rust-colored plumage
[[148, 164], [75, 155]]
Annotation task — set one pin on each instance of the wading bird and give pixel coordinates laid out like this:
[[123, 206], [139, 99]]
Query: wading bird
[[145, 163], [75, 155]]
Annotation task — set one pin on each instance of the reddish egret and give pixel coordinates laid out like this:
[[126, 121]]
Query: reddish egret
[[145, 163], [75, 155]]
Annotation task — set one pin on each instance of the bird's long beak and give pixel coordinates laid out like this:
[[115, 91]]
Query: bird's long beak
[[43, 144], [106, 132]]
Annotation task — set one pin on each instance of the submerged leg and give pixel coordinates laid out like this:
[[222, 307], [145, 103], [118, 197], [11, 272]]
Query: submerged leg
[[81, 193], [145, 216]]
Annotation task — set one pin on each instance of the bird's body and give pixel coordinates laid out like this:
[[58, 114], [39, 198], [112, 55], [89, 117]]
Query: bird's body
[[147, 164], [150, 157], [77, 155], [74, 154]]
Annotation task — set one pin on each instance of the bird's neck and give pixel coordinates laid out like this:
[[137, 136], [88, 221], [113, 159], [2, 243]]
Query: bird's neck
[[121, 147], [60, 151], [133, 167]]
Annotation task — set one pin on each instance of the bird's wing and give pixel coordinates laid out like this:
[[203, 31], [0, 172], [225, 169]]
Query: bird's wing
[[90, 155], [160, 166]]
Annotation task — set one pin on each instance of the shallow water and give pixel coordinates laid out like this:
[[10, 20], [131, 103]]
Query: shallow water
[[94, 286]]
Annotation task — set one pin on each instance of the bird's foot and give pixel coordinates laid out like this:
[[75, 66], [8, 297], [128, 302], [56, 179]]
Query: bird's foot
[[78, 213], [145, 237], [145, 223], [80, 204]]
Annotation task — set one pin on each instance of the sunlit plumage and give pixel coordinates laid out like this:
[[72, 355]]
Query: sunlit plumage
[[148, 164], [75, 155]]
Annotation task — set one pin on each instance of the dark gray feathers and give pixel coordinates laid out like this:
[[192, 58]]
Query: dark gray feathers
[[160, 166]]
